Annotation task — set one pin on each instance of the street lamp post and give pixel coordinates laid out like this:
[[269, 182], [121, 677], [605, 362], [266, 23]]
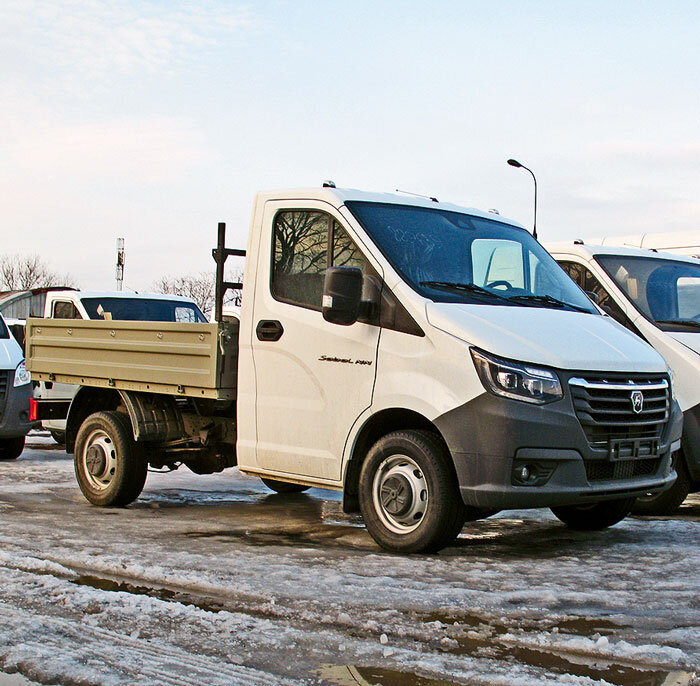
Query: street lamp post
[[515, 163]]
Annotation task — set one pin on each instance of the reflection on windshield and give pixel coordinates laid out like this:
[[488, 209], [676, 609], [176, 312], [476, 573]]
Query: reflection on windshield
[[456, 257], [142, 309], [665, 291]]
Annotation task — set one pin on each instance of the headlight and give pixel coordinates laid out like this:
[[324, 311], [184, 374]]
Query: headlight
[[672, 377], [517, 380], [22, 376]]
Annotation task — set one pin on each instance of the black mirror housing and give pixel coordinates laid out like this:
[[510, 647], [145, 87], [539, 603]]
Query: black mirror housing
[[593, 296], [342, 294]]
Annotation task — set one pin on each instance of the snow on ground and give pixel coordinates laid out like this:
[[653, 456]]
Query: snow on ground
[[214, 579]]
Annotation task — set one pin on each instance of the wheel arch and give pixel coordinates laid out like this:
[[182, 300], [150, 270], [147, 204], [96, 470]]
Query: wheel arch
[[377, 425], [87, 401]]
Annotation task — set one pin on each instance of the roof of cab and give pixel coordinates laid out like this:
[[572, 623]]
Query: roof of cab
[[339, 196], [583, 249]]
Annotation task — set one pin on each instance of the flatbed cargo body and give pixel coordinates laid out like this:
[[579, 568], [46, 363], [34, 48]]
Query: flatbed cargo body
[[172, 358]]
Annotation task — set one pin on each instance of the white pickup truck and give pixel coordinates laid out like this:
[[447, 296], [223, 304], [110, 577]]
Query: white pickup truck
[[431, 361], [108, 305], [657, 296]]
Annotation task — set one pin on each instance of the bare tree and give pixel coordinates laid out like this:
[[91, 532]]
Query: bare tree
[[200, 287], [22, 272]]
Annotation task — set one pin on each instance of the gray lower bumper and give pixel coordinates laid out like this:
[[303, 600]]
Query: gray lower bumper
[[14, 416], [490, 436]]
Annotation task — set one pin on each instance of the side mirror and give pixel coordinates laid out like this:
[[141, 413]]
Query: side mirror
[[342, 293], [593, 296]]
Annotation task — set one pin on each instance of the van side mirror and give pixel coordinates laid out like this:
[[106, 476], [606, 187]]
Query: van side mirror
[[342, 293], [593, 296]]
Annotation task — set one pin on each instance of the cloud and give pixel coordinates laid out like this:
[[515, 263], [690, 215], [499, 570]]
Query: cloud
[[95, 37]]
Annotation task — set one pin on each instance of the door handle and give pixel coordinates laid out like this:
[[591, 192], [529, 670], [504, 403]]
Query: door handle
[[269, 330]]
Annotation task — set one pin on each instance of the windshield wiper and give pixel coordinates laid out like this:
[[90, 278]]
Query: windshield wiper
[[547, 300], [466, 287], [680, 322]]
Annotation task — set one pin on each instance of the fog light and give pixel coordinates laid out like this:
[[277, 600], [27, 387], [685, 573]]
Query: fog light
[[523, 473]]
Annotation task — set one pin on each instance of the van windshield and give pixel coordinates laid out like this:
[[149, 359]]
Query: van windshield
[[667, 292], [142, 309], [454, 257]]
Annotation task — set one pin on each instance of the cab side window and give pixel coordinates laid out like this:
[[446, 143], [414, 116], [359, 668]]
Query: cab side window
[[585, 279], [65, 310], [306, 243]]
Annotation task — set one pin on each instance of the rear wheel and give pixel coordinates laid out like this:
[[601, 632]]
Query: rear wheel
[[409, 496], [58, 436], [284, 486], [109, 464], [11, 448], [668, 501], [596, 516]]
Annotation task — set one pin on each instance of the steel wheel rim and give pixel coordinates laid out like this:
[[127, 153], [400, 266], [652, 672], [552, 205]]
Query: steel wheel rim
[[99, 460], [400, 494]]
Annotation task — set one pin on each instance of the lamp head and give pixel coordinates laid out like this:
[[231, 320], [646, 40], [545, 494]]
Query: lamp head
[[514, 163]]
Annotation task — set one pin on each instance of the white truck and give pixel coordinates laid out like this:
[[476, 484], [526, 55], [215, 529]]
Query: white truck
[[108, 305], [657, 296], [432, 362]]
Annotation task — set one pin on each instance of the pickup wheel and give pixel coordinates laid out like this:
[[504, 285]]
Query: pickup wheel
[[109, 464], [668, 501], [408, 493], [58, 436], [596, 516], [284, 486], [11, 448]]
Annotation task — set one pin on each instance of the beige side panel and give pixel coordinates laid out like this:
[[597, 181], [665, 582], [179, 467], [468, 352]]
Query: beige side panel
[[154, 356]]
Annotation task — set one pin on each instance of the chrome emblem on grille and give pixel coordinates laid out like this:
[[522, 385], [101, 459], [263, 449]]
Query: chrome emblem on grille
[[637, 398]]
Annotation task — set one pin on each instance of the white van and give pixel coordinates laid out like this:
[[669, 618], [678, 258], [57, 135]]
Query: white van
[[109, 305], [657, 296], [15, 392]]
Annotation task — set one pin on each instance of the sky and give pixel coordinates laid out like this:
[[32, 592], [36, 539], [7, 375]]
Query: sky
[[155, 120]]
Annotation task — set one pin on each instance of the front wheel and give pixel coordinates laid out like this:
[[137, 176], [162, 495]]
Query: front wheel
[[668, 501], [109, 465], [284, 486], [11, 448], [408, 492], [596, 516]]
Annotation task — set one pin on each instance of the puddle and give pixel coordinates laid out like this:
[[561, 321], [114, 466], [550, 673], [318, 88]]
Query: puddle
[[351, 675], [478, 636]]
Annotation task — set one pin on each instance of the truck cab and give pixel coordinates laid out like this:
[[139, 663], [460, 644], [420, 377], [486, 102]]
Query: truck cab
[[429, 360], [655, 295]]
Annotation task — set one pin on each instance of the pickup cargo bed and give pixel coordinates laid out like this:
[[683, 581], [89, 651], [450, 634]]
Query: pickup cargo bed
[[196, 360]]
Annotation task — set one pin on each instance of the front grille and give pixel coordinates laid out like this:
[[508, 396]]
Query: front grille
[[605, 470], [604, 407], [4, 386]]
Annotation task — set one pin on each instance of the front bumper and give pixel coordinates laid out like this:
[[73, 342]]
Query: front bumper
[[14, 411], [489, 436]]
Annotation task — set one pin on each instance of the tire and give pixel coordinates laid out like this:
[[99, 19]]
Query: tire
[[284, 486], [667, 502], [596, 516], [58, 436], [409, 497], [11, 448], [114, 473]]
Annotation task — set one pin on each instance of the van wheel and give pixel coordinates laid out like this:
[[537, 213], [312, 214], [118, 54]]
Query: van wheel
[[596, 516], [58, 436], [284, 486], [668, 501], [11, 448], [109, 464], [408, 492]]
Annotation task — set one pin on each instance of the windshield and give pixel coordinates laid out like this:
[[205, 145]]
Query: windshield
[[142, 309], [665, 291], [455, 257]]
